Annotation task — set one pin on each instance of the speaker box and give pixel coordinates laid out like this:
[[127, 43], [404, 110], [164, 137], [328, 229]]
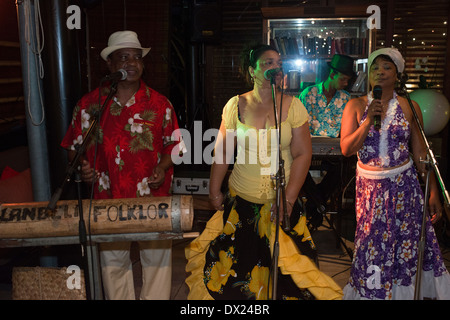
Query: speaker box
[[206, 21]]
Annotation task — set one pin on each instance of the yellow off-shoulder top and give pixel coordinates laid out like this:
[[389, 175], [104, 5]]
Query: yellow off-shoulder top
[[256, 159]]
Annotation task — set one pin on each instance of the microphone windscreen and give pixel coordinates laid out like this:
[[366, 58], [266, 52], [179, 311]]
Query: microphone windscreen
[[270, 73], [377, 92]]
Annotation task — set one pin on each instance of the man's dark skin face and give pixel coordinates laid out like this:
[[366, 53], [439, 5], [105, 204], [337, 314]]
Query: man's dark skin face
[[128, 59]]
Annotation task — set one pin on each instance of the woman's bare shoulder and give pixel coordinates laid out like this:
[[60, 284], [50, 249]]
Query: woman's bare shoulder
[[357, 104]]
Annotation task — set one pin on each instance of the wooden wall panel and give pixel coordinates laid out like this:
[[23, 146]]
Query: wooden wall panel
[[420, 32], [241, 24], [12, 108]]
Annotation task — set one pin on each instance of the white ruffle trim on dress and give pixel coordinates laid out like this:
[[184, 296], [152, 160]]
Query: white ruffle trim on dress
[[437, 288]]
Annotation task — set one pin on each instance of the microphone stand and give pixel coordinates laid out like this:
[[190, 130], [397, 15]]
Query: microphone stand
[[430, 163], [71, 169], [280, 184]]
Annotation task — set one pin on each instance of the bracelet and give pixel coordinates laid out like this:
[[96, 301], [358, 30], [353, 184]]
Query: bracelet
[[289, 203], [214, 198]]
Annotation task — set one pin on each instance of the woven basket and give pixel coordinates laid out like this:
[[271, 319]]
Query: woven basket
[[39, 283]]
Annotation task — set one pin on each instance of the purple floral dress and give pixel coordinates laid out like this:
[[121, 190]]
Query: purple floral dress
[[389, 207]]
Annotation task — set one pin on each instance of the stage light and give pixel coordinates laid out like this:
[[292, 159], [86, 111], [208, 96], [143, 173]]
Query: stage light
[[299, 62]]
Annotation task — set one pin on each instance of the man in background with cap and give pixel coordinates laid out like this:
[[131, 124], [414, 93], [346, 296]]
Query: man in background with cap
[[325, 104], [325, 101], [132, 159]]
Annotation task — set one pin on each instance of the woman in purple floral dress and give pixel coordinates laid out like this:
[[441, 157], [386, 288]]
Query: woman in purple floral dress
[[389, 198]]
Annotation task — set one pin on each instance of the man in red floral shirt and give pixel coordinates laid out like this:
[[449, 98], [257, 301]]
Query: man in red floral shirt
[[133, 159]]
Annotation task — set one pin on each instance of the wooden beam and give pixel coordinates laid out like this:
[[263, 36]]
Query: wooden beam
[[9, 44], [10, 63], [10, 80], [11, 99]]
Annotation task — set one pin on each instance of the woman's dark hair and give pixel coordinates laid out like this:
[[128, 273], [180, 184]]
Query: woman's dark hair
[[249, 56]]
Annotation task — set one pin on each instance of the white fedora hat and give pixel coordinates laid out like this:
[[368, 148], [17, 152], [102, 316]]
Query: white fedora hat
[[123, 39]]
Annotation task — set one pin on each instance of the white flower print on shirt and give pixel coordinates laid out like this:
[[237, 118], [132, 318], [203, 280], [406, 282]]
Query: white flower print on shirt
[[143, 188], [78, 140], [103, 182], [322, 104], [118, 159], [135, 127], [338, 102], [168, 114], [85, 117], [315, 124]]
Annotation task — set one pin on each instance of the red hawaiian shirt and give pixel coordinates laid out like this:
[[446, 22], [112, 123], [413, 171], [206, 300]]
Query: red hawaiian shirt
[[131, 140]]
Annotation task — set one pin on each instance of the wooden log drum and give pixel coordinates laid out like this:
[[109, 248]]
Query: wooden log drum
[[110, 216]]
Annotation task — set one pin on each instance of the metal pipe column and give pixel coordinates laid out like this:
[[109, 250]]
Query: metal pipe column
[[33, 96], [62, 83]]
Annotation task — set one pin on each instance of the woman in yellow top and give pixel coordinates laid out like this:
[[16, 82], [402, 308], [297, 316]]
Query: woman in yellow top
[[232, 257]]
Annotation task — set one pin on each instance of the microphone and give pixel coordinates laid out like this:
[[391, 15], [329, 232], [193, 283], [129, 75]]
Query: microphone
[[116, 76], [377, 92], [271, 73]]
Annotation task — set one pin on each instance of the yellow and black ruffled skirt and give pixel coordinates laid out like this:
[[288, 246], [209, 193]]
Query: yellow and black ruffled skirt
[[232, 257]]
